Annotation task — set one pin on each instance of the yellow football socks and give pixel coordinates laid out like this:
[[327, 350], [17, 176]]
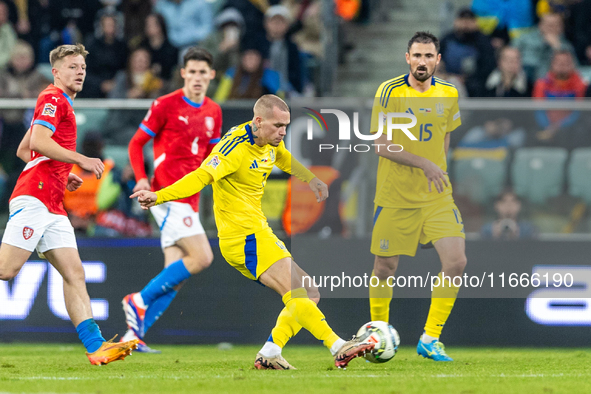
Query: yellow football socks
[[379, 300], [285, 328], [443, 298], [306, 313]]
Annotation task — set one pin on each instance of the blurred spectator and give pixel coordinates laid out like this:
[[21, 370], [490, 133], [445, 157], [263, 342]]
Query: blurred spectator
[[536, 47], [135, 13], [20, 80], [494, 134], [188, 21], [509, 78], [250, 80], [441, 72], [7, 35], [308, 40], [164, 55], [253, 13], [13, 13], [138, 80], [468, 53], [562, 81], [581, 16], [224, 43], [284, 56], [508, 226], [94, 195], [72, 21], [515, 16], [107, 54]]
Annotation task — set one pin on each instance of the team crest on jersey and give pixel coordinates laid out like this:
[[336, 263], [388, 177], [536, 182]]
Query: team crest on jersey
[[188, 221], [440, 109], [209, 123], [40, 186], [27, 232], [384, 244], [49, 110], [214, 162], [272, 154]]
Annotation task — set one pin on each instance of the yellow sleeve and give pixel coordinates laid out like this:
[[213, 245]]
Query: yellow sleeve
[[455, 120], [286, 162], [190, 184], [219, 165]]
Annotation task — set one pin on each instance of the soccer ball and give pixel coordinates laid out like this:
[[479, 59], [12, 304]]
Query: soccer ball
[[384, 336]]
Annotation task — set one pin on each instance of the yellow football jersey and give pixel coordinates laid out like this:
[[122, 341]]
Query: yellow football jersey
[[240, 169], [437, 113]]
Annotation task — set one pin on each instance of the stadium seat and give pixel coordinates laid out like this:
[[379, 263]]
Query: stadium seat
[[579, 169], [538, 173], [118, 154], [479, 178]]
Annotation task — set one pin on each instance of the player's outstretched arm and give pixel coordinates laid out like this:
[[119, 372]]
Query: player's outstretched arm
[[190, 184], [23, 151], [42, 143], [432, 172]]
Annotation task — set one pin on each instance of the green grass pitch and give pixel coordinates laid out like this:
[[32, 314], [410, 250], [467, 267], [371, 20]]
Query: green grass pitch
[[29, 368]]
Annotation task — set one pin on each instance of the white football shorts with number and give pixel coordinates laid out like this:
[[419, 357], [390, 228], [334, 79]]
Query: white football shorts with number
[[176, 220], [31, 225]]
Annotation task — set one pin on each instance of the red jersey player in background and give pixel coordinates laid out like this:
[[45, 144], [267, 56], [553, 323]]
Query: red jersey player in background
[[37, 216], [185, 125]]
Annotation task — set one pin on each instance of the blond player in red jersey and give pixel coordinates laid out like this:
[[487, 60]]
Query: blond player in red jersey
[[37, 216]]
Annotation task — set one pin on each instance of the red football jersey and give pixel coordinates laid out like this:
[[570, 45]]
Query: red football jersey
[[184, 133], [45, 178]]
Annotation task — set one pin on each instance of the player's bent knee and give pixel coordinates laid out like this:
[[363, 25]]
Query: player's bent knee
[[75, 275], [197, 264], [385, 266]]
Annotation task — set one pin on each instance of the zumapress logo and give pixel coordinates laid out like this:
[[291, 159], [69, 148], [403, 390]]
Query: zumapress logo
[[345, 130]]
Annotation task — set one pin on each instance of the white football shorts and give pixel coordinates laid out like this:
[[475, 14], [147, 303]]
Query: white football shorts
[[31, 225], [176, 220]]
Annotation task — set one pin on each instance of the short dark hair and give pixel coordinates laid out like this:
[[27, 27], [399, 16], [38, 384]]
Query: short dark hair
[[424, 37], [200, 54], [466, 13]]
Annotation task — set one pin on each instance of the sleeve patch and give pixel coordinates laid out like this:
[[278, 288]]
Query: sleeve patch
[[49, 110], [457, 115], [214, 162]]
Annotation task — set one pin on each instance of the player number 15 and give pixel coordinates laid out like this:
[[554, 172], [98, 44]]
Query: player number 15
[[427, 132]]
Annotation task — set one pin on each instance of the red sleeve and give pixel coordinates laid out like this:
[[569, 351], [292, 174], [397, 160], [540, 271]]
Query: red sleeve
[[154, 119], [136, 153], [49, 110], [217, 134], [538, 89]]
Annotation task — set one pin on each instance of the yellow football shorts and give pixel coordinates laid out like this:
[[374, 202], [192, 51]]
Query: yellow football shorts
[[254, 254], [398, 231]]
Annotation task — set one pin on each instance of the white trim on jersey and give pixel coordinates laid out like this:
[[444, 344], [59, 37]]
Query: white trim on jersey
[[159, 160], [33, 163]]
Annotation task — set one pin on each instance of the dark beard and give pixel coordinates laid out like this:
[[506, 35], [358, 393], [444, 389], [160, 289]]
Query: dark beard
[[423, 78]]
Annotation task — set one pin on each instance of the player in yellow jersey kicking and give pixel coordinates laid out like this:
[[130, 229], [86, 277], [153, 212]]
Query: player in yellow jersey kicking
[[413, 202], [238, 167]]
